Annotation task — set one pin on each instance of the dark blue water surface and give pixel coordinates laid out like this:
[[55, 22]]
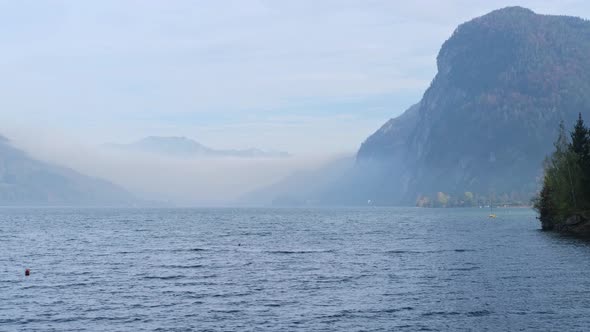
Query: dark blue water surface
[[288, 270]]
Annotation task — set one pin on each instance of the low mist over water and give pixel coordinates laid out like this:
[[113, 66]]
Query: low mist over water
[[169, 179]]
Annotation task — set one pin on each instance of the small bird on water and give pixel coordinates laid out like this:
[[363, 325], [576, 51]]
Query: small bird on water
[[27, 272]]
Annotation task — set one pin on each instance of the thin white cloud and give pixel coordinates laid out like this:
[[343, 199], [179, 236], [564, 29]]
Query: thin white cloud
[[117, 68]]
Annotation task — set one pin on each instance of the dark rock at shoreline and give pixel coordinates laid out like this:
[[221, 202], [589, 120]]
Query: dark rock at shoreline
[[576, 225]]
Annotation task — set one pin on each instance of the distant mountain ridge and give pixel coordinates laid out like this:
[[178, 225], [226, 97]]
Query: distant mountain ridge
[[301, 188], [26, 181], [173, 146]]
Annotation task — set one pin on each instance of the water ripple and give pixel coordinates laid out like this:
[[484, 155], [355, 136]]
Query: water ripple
[[287, 270]]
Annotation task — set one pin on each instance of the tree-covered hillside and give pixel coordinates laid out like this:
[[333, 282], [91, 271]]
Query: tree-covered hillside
[[486, 122]]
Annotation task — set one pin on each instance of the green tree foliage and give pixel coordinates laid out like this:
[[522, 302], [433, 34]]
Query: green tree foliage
[[442, 199], [580, 145], [545, 207], [468, 198], [565, 184], [579, 139]]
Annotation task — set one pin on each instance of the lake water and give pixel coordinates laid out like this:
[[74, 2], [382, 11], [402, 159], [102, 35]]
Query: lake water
[[367, 269]]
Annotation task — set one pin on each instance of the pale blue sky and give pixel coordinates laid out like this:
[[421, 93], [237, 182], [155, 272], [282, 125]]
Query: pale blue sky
[[303, 76]]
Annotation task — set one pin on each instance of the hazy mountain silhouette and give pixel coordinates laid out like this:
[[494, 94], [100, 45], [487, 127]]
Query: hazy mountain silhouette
[[172, 146], [26, 181], [300, 188]]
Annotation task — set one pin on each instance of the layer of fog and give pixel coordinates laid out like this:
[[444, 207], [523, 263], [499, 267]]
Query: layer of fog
[[179, 181]]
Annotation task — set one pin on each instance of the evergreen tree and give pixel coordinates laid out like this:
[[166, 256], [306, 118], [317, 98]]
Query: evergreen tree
[[566, 182], [580, 140], [580, 146], [545, 207]]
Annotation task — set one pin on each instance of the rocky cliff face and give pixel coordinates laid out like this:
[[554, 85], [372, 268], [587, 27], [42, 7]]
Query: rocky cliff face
[[488, 119]]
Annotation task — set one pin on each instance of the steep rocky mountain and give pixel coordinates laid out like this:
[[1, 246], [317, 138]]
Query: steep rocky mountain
[[172, 146], [489, 117], [26, 181]]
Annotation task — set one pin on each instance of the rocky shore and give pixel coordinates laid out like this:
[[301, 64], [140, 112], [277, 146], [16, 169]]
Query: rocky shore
[[577, 225]]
